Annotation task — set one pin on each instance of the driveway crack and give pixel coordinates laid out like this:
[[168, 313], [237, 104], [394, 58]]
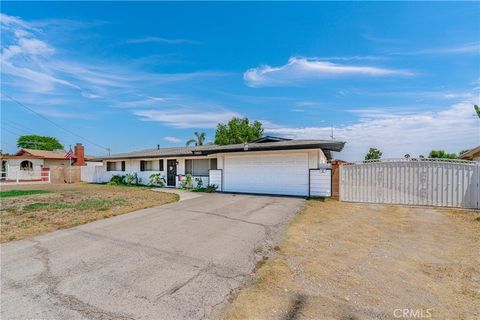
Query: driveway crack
[[69, 301]]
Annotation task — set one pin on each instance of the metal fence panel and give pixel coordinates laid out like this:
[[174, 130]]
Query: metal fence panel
[[420, 182]]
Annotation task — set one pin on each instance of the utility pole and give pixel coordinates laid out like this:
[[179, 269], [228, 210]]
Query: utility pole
[[331, 131]]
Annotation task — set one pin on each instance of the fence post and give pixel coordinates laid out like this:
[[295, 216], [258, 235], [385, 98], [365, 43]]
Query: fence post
[[336, 178], [477, 196]]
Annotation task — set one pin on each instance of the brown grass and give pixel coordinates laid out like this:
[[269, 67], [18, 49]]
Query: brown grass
[[357, 261], [71, 205]]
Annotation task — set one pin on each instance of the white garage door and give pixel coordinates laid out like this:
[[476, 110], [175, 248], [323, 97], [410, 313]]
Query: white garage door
[[271, 174]]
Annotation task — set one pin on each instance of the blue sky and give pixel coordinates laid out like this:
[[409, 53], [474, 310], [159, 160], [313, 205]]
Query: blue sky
[[402, 77]]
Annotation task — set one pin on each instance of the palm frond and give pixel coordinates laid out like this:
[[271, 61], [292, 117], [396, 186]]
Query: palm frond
[[191, 141]]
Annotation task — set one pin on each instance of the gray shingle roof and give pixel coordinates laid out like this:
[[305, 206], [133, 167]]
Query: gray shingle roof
[[326, 145]]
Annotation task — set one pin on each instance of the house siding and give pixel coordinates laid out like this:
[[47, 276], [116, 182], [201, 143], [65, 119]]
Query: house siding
[[315, 158]]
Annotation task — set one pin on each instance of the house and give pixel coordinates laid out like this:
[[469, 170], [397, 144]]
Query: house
[[269, 165], [34, 165], [473, 154]]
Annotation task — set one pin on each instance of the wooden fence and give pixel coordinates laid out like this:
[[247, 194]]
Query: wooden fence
[[426, 182]]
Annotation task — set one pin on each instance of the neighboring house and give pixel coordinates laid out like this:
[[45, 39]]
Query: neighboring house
[[28, 164], [269, 165], [473, 155]]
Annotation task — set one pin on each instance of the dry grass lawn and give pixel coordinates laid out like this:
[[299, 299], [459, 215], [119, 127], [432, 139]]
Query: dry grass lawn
[[358, 261], [66, 206]]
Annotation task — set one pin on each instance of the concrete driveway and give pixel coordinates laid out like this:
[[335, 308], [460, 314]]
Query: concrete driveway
[[180, 260]]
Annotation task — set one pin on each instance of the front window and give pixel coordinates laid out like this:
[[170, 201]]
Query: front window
[[115, 165], [26, 165], [146, 165], [199, 167]]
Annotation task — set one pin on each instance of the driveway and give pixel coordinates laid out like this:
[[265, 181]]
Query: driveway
[[180, 260]]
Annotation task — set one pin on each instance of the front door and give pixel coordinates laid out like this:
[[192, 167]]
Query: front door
[[171, 172]]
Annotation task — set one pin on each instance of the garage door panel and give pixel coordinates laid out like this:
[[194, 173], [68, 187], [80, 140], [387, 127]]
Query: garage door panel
[[272, 174]]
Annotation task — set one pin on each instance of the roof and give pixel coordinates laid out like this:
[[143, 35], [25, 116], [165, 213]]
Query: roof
[[19, 157], [42, 153], [326, 145], [470, 154], [45, 154]]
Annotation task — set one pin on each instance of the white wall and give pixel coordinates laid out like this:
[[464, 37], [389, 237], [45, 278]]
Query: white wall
[[321, 182], [100, 174], [316, 158], [215, 177], [13, 166]]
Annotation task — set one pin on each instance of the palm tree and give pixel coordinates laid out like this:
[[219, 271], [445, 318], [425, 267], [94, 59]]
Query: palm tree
[[199, 139]]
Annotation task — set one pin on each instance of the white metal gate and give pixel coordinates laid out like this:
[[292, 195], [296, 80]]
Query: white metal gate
[[414, 182]]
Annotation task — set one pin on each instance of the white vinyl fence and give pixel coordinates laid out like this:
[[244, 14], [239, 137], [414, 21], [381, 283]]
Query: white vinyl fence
[[24, 176], [98, 174], [426, 182]]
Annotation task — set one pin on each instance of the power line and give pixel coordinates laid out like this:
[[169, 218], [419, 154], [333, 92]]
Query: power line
[[13, 127], [18, 125], [54, 123]]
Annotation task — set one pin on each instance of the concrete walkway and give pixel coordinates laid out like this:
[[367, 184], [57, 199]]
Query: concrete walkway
[[183, 194], [177, 261]]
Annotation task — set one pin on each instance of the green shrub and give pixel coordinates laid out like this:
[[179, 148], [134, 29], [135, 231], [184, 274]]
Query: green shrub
[[117, 180], [211, 188], [156, 179], [132, 179], [187, 182], [199, 186]]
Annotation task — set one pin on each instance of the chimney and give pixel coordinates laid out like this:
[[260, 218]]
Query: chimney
[[79, 151]]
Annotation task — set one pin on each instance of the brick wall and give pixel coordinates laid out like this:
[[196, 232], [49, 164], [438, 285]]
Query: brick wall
[[336, 177]]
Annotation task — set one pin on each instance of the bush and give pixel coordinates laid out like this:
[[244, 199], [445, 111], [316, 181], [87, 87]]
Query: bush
[[211, 188], [156, 179], [199, 183], [117, 180], [187, 182], [132, 179]]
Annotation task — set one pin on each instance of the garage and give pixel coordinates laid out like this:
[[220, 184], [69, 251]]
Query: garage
[[283, 174]]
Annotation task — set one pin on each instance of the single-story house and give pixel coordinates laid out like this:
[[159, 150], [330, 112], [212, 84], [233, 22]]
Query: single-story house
[[473, 154], [269, 165], [31, 164]]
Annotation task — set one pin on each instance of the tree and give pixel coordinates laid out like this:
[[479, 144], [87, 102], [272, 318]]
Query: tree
[[38, 142], [238, 130], [199, 139], [477, 110], [441, 154], [463, 151], [373, 154]]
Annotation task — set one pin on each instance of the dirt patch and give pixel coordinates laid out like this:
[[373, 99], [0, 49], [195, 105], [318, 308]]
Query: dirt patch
[[71, 205], [357, 261]]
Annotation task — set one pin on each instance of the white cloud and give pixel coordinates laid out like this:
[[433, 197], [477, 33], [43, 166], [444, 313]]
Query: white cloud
[[172, 139], [466, 48], [31, 65], [187, 118], [300, 69], [395, 135]]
